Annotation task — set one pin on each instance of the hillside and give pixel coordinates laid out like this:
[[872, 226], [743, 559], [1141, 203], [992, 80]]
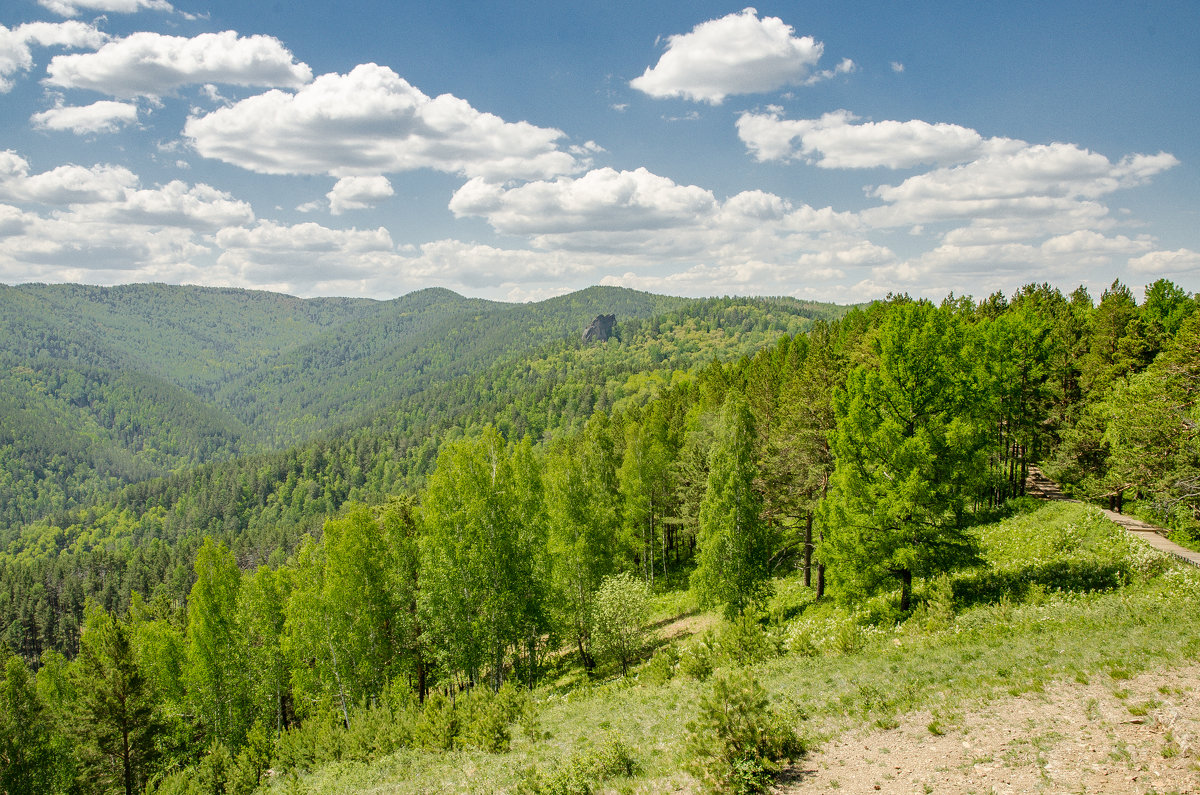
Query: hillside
[[103, 387], [669, 560]]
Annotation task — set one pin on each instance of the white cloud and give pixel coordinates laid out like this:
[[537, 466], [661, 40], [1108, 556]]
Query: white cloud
[[150, 64], [100, 117], [897, 67], [16, 54], [303, 257], [64, 185], [176, 204], [834, 141], [601, 200], [736, 54], [1050, 188], [100, 227], [1084, 242], [1163, 262], [358, 193], [72, 8], [370, 122]]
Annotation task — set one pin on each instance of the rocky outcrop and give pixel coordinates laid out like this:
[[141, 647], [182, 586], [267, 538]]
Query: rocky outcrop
[[600, 329]]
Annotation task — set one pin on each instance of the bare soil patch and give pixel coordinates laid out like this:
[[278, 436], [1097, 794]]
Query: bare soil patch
[[1110, 735]]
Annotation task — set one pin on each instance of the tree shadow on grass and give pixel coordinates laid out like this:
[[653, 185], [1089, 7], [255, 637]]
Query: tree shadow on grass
[[1018, 585]]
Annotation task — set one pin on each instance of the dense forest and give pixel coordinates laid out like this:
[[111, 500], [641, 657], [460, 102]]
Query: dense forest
[[466, 516]]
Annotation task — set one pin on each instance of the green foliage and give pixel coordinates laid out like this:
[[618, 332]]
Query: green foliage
[[661, 667], [619, 619], [215, 663], [583, 772], [116, 727], [26, 762], [911, 455], [482, 555], [735, 544], [737, 741], [438, 724], [294, 594]]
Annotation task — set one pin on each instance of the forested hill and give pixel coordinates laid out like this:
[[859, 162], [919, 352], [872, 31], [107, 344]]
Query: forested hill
[[420, 341], [103, 387]]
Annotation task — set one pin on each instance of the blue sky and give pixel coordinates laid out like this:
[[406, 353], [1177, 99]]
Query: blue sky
[[835, 151]]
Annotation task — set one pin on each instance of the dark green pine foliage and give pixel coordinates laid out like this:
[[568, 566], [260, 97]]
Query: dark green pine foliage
[[910, 457], [116, 726]]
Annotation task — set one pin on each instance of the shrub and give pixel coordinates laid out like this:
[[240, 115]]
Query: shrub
[[743, 640], [619, 619], [698, 658], [583, 771], [437, 725], [661, 667], [737, 741]]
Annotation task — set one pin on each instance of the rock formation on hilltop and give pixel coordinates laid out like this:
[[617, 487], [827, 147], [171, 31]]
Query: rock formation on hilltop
[[600, 329]]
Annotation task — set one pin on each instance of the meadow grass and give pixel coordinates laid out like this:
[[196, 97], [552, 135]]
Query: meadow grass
[[1065, 595]]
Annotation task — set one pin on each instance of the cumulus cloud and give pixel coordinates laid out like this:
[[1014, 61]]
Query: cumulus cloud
[[358, 193], [297, 257], [1163, 262], [1036, 185], [151, 64], [835, 141], [601, 200], [97, 225], [176, 204], [16, 54], [72, 8], [100, 117], [736, 54], [370, 122], [64, 185]]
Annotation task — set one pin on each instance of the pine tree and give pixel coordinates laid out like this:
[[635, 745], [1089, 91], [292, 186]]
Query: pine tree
[[116, 727]]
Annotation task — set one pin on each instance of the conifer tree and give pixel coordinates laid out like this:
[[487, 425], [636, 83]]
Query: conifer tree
[[910, 457], [735, 544], [116, 727]]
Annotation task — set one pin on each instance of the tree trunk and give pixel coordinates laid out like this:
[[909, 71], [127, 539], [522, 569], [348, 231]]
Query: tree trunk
[[127, 761], [588, 662], [820, 580], [808, 550], [905, 589]]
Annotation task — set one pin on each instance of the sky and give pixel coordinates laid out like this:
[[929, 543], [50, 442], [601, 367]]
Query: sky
[[834, 151]]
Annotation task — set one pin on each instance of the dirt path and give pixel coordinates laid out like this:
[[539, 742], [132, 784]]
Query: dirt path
[[1139, 735], [1040, 486]]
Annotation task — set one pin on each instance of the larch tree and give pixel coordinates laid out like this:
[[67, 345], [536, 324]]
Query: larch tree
[[734, 543], [910, 457]]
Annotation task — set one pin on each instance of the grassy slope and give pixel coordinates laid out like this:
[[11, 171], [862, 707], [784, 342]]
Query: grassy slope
[[1066, 595]]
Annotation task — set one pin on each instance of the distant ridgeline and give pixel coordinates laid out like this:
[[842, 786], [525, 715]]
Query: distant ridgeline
[[105, 387], [359, 501]]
